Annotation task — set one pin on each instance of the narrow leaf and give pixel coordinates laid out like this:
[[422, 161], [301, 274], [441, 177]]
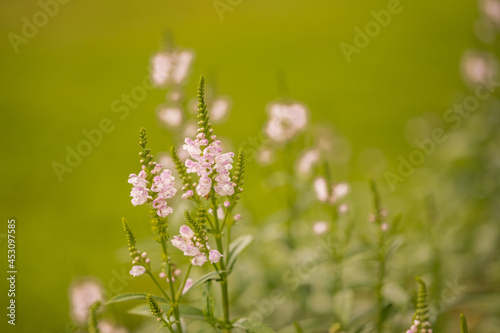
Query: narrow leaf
[[209, 303], [132, 297], [236, 247]]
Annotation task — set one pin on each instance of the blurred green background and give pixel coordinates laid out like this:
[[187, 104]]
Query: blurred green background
[[64, 79]]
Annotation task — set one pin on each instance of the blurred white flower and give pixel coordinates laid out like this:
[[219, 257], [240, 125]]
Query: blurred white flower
[[320, 227], [137, 270], [82, 295], [478, 67], [170, 115], [343, 208], [307, 161], [321, 188], [285, 121], [187, 286], [265, 156], [339, 191], [491, 10], [106, 326], [170, 67], [220, 109], [190, 130]]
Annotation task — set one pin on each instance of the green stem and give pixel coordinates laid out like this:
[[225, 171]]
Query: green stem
[[380, 282], [173, 302], [179, 294], [223, 275], [167, 324], [161, 289]]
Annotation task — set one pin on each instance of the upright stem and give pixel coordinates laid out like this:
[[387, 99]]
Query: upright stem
[[174, 302], [223, 274], [380, 282], [179, 294]]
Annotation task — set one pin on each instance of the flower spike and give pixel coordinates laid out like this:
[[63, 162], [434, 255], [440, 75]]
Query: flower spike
[[421, 322], [463, 324]]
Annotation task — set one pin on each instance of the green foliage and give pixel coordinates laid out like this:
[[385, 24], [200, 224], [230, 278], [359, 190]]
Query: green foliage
[[463, 324], [238, 174], [92, 322], [125, 297], [236, 247], [209, 303]]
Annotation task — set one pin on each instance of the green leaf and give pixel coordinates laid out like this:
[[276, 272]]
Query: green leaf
[[236, 247], [186, 311], [209, 303], [132, 297], [203, 278], [252, 326]]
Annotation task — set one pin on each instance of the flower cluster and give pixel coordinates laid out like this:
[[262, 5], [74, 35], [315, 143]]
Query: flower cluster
[[170, 67], [195, 246], [163, 187], [207, 158], [285, 121]]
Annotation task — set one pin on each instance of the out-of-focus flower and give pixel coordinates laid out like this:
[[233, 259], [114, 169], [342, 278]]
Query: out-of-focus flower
[[320, 227], [170, 115], [82, 295], [343, 208], [106, 326], [170, 67], [285, 121], [478, 68], [219, 109], [137, 270], [339, 191], [237, 217], [265, 156], [491, 10], [308, 160], [187, 286], [321, 188]]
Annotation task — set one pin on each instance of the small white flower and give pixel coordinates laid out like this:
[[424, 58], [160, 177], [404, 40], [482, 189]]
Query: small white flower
[[320, 227], [137, 270]]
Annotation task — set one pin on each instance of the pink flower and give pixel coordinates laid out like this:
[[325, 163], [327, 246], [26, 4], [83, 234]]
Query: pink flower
[[187, 286], [191, 251], [186, 232], [137, 271], [139, 195], [138, 180], [180, 243], [214, 256], [199, 259], [285, 121]]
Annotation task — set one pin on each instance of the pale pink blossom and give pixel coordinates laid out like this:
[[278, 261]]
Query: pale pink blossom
[[339, 191], [343, 208], [199, 259], [320, 186], [137, 270], [214, 256], [170, 67], [170, 115], [82, 295], [308, 159], [285, 121], [219, 109], [139, 195], [237, 217], [320, 227]]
